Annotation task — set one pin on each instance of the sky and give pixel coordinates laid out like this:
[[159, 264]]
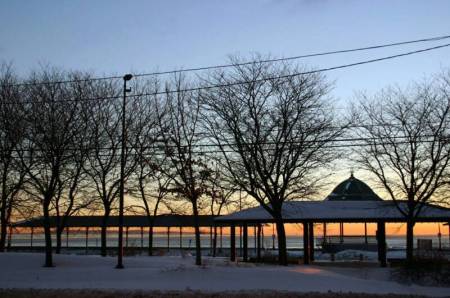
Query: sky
[[114, 37], [110, 37]]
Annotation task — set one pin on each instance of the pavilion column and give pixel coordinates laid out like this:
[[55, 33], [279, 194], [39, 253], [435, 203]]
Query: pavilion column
[[255, 240], [67, 237], [245, 242], [126, 236], [210, 240], [87, 239], [365, 233], [240, 241], [341, 232], [181, 238], [233, 243], [10, 236], [221, 232], [168, 238], [311, 241], [258, 244], [142, 239], [381, 240], [31, 237], [262, 236], [305, 243]]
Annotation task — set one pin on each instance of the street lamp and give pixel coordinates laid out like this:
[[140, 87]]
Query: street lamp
[[126, 78]]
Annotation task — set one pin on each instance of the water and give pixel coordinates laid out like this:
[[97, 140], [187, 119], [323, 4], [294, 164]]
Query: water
[[161, 240]]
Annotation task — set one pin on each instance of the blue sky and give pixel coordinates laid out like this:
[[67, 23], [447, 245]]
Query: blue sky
[[114, 37]]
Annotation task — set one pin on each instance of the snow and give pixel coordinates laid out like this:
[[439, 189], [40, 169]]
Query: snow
[[340, 210], [24, 270]]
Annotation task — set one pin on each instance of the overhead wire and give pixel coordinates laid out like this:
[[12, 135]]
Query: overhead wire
[[193, 69], [242, 82]]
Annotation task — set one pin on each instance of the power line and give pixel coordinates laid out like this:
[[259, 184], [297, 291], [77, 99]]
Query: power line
[[247, 81], [430, 39], [347, 142]]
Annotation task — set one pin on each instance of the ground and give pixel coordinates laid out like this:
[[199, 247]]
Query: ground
[[24, 271]]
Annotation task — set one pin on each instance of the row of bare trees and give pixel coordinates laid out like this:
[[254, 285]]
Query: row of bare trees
[[263, 130]]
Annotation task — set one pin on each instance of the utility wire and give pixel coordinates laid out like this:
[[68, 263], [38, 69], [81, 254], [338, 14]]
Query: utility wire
[[431, 39], [347, 142], [243, 82]]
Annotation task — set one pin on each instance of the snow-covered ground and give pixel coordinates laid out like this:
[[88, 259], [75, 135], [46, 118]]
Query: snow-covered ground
[[24, 270]]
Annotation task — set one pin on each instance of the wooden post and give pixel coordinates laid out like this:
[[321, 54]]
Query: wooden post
[[381, 239], [311, 241], [168, 238], [126, 236], [240, 240], [181, 237], [233, 243], [142, 239], [365, 233], [273, 236], [341, 232], [255, 240], [245, 244], [305, 243], [67, 237], [87, 239], [324, 231], [210, 240], [258, 249], [262, 236], [31, 237], [10, 236], [221, 239]]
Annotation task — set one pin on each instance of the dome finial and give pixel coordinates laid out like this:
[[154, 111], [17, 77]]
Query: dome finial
[[351, 173]]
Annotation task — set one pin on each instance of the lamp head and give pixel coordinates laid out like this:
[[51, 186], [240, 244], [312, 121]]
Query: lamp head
[[127, 77]]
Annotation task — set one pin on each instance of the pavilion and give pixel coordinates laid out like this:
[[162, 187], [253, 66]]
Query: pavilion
[[352, 201]]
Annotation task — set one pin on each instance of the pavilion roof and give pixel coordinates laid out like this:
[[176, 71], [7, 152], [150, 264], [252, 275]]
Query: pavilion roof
[[129, 221], [339, 211]]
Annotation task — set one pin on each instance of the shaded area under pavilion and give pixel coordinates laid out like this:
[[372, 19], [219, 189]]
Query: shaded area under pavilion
[[352, 201], [130, 221]]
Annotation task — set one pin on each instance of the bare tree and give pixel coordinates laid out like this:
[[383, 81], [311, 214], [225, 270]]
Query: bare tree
[[273, 129], [220, 192], [72, 195], [406, 135], [11, 135], [148, 182], [105, 147], [104, 156], [51, 116], [180, 134]]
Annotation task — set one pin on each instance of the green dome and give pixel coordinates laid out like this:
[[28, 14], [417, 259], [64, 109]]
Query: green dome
[[352, 189]]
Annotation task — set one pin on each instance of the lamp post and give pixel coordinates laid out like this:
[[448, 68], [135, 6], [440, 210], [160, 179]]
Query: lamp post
[[126, 78]]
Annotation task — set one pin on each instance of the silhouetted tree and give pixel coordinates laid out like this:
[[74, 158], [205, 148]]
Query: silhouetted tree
[[273, 128], [11, 135], [51, 117], [179, 132], [406, 137]]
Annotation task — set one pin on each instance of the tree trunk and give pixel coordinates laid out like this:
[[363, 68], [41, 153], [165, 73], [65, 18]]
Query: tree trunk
[[48, 235], [215, 241], [59, 231], [282, 251], [3, 228], [150, 240], [198, 248], [410, 241], [103, 249]]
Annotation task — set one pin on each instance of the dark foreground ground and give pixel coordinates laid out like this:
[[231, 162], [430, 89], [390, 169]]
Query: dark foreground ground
[[33, 293]]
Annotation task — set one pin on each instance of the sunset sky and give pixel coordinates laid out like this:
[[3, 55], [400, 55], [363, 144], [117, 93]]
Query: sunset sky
[[115, 37]]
